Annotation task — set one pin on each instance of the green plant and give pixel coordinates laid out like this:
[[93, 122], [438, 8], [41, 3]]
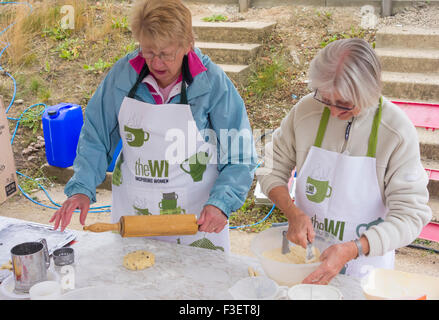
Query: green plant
[[56, 33], [120, 23], [32, 118], [324, 43], [130, 47], [215, 18], [326, 14], [44, 94], [268, 78], [420, 241], [33, 184], [68, 49], [35, 85], [353, 33], [47, 66], [98, 67]]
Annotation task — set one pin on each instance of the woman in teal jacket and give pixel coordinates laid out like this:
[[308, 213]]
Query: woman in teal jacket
[[187, 142]]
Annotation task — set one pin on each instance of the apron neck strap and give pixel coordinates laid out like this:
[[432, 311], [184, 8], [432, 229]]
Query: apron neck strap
[[142, 75], [322, 127], [373, 138], [186, 78]]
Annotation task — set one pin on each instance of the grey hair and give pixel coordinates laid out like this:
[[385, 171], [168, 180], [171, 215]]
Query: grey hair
[[349, 67]]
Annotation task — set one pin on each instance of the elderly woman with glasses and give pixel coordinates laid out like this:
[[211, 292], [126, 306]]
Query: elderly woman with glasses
[[360, 188], [175, 111]]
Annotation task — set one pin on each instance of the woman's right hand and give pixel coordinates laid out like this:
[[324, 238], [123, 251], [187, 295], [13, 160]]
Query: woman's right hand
[[64, 214], [300, 229]]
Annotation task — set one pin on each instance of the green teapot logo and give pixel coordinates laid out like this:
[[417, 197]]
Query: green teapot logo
[[168, 205], [317, 191], [366, 226], [197, 165], [135, 137]]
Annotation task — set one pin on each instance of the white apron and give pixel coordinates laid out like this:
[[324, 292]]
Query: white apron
[[165, 166], [341, 195]]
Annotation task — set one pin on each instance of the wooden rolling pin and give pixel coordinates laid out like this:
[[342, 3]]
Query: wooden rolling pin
[[148, 226]]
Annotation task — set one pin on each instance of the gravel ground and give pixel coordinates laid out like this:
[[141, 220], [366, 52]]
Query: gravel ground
[[417, 16]]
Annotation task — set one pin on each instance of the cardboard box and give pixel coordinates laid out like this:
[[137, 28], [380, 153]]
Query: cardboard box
[[8, 176]]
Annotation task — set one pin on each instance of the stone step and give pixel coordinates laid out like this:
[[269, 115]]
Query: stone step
[[409, 60], [229, 53], [232, 32], [433, 185], [411, 86], [434, 205], [236, 72], [403, 37], [428, 143]]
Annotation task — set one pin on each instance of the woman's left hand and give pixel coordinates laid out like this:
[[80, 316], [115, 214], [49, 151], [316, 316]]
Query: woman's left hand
[[333, 260], [211, 219]]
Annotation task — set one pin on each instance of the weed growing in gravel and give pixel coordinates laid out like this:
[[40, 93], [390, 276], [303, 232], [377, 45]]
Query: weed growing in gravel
[[215, 18]]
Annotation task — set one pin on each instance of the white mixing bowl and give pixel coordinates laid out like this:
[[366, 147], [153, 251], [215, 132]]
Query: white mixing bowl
[[285, 274]]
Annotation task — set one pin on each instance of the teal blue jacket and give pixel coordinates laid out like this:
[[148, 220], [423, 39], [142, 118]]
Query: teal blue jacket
[[215, 104]]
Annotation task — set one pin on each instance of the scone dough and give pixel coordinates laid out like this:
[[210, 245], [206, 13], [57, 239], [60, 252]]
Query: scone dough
[[297, 255], [138, 260]]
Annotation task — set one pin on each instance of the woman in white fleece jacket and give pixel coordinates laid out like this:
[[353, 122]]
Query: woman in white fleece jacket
[[360, 183]]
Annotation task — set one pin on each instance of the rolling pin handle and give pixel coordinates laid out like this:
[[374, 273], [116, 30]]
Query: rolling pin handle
[[102, 227]]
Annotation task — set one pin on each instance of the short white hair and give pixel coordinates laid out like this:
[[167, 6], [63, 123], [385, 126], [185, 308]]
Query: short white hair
[[349, 67]]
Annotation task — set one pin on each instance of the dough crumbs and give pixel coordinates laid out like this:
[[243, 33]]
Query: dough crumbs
[[138, 260]]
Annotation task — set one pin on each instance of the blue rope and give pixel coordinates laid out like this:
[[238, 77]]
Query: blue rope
[[254, 224]]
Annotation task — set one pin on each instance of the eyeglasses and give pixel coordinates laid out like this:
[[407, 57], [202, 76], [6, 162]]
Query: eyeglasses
[[320, 99], [168, 57]]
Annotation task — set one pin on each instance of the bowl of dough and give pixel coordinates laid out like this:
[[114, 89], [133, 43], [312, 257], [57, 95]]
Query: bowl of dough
[[286, 269]]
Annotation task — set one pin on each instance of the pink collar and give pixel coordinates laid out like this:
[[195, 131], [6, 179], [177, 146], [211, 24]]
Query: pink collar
[[195, 64]]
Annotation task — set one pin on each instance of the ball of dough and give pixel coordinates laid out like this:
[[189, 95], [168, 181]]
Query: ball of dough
[[138, 260]]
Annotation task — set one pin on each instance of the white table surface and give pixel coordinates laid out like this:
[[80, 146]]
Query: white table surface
[[180, 272]]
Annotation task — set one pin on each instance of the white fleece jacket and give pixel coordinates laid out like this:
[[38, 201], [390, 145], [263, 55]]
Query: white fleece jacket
[[401, 176]]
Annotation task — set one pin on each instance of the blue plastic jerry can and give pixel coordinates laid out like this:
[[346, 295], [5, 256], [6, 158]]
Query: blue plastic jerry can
[[62, 125]]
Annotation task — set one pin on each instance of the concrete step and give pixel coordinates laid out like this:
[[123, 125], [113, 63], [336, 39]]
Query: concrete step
[[403, 37], [434, 205], [232, 32], [63, 175], [409, 60], [433, 185], [236, 72], [229, 53], [411, 86], [428, 143]]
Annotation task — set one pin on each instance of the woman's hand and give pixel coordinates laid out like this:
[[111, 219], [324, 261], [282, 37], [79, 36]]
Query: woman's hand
[[64, 214], [300, 229], [211, 219], [333, 260]]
